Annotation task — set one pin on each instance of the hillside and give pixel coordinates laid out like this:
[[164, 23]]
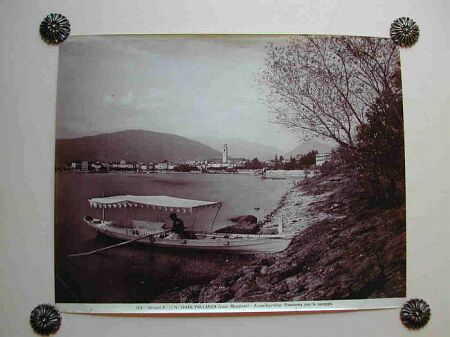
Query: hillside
[[240, 148], [132, 146], [309, 146], [353, 252]]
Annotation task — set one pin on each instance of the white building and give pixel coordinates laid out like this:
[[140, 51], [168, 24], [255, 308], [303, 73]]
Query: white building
[[162, 166], [122, 165], [84, 166], [322, 158], [218, 165], [96, 166]]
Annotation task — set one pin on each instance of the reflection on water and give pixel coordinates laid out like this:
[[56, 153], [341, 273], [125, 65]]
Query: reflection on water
[[134, 274]]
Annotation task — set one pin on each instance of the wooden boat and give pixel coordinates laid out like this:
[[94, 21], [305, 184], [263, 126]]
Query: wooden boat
[[155, 233]]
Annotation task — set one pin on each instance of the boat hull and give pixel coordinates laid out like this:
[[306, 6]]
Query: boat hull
[[232, 243]]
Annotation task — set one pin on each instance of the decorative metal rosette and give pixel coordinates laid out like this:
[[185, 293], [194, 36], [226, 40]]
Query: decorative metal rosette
[[404, 32], [415, 314], [45, 319], [55, 28]]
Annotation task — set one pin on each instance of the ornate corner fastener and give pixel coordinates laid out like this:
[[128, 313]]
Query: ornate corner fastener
[[55, 28], [45, 319], [404, 32], [415, 314]]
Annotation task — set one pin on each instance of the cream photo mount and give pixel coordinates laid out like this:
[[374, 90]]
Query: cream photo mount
[[117, 176]]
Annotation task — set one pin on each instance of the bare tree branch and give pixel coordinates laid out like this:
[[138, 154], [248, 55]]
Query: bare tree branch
[[323, 86]]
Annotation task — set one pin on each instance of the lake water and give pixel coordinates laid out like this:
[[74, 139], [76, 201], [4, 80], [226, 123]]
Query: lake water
[[134, 274]]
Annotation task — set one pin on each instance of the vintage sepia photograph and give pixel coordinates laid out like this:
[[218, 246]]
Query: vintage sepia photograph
[[229, 169]]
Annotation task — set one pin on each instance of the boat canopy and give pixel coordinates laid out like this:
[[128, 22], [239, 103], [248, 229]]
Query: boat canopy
[[158, 202]]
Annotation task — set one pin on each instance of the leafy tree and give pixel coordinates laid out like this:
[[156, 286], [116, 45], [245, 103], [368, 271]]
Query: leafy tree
[[291, 165], [254, 164], [379, 153], [185, 168], [307, 160]]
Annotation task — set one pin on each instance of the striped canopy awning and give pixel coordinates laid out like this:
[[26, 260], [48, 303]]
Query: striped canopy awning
[[157, 202]]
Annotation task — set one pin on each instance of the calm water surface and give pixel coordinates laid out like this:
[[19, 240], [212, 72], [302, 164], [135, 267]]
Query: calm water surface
[[134, 274]]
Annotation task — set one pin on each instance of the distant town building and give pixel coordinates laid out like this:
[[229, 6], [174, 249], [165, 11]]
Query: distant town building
[[217, 165], [85, 166], [96, 166], [162, 166], [239, 162], [322, 158], [122, 165], [226, 163], [225, 154]]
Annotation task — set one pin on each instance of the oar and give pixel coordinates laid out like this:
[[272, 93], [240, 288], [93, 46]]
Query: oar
[[118, 244]]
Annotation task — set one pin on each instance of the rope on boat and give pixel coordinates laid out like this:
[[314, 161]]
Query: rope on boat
[[117, 245]]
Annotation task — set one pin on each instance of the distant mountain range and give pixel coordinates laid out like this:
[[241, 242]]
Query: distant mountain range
[[308, 146], [150, 146], [239, 148], [132, 146]]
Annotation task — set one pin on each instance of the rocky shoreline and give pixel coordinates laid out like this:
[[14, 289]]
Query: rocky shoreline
[[293, 211], [343, 250]]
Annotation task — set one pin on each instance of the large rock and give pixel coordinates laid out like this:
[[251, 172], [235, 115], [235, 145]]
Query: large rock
[[245, 224], [245, 219]]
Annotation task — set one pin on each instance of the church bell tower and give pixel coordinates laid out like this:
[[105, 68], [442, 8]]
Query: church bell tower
[[225, 154]]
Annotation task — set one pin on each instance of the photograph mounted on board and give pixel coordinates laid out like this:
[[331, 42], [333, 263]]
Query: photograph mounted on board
[[229, 173]]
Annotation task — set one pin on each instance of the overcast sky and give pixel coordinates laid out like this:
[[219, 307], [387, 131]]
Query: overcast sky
[[203, 86]]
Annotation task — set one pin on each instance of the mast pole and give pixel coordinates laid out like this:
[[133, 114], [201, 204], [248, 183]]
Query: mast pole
[[103, 208]]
